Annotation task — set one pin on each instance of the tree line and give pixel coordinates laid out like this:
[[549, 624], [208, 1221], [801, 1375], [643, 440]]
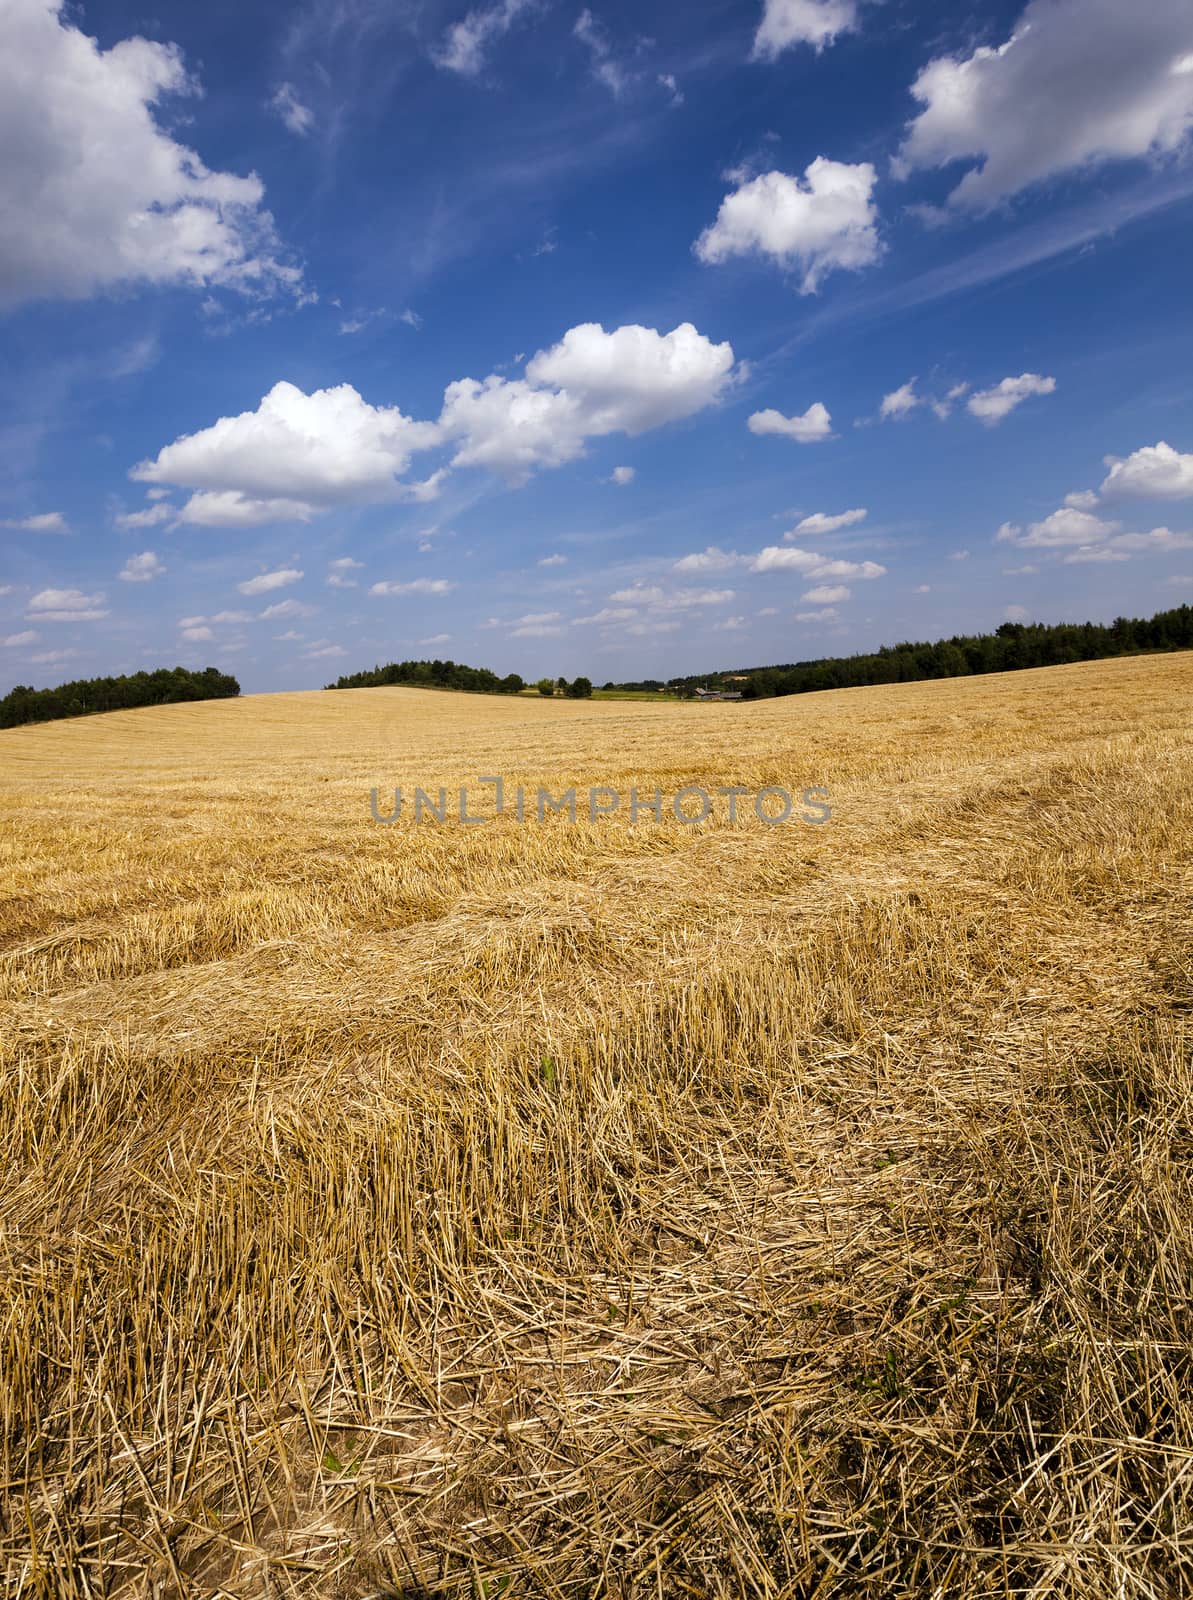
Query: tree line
[[1012, 647], [85, 696], [432, 675], [454, 675], [577, 689]]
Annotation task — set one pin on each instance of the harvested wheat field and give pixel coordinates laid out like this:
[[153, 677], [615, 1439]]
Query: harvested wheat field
[[602, 1210]]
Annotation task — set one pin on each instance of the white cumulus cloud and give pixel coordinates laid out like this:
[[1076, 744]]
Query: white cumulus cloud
[[150, 517], [295, 454], [988, 405], [1157, 472], [1078, 83], [791, 22], [299, 454], [1067, 526], [655, 598], [714, 559], [511, 427], [818, 223], [65, 605], [992, 405], [97, 194], [590, 384], [1160, 541], [229, 508], [143, 568], [810, 564], [901, 402], [634, 378], [815, 424], [219, 617]]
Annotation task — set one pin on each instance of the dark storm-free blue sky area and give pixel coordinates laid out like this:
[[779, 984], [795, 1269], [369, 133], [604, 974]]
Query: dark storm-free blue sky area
[[915, 279]]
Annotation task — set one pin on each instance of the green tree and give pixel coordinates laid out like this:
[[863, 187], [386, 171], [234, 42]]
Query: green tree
[[85, 696], [580, 689], [437, 674]]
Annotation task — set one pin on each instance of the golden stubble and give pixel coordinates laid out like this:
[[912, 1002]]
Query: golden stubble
[[601, 1210]]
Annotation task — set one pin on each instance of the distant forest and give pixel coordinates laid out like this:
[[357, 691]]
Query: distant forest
[[432, 675], [166, 686], [1014, 646]]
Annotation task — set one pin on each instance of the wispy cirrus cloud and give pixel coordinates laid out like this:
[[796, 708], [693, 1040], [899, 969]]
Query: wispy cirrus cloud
[[466, 44], [281, 578], [413, 586], [285, 104], [40, 522]]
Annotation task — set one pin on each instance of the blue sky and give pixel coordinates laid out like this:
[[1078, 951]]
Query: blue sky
[[627, 340]]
